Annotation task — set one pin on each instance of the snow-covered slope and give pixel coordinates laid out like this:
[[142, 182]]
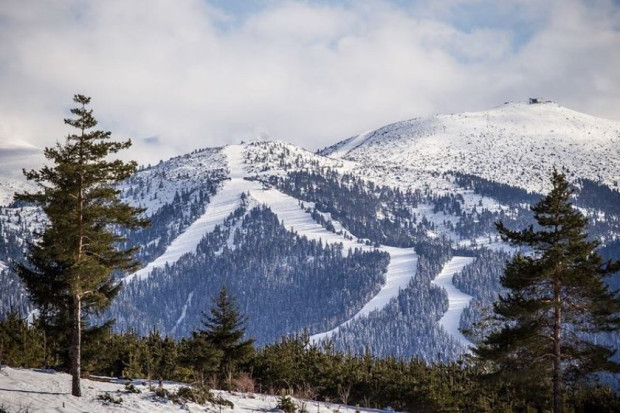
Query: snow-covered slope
[[457, 300], [223, 203], [515, 144], [23, 390], [15, 156]]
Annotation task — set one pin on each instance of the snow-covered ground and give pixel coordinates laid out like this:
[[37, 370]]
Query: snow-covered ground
[[23, 390], [350, 144], [222, 204], [457, 300], [400, 270]]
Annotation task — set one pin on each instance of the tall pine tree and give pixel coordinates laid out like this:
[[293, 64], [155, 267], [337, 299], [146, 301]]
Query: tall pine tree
[[70, 271], [556, 300]]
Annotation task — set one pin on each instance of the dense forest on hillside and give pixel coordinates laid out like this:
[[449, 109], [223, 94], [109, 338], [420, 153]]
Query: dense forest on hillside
[[308, 280]]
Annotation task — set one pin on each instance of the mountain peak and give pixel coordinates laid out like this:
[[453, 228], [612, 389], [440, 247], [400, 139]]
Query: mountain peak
[[516, 143]]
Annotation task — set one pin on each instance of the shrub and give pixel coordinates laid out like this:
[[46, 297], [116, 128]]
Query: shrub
[[287, 404], [107, 398]]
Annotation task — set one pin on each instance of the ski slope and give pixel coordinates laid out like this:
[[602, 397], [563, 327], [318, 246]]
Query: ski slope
[[457, 300], [222, 204], [400, 270]]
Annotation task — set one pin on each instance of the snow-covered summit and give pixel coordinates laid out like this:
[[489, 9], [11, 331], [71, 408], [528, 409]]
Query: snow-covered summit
[[16, 155], [515, 143]]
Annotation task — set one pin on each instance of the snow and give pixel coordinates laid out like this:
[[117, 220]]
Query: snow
[[222, 204], [515, 144], [49, 391], [400, 270], [183, 312], [350, 144], [457, 300]]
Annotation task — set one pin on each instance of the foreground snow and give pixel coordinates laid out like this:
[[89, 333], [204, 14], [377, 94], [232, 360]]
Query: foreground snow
[[24, 390], [400, 270], [457, 300]]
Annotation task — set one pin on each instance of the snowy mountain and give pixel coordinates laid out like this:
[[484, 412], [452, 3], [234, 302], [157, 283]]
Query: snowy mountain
[[385, 240], [514, 144], [14, 156]]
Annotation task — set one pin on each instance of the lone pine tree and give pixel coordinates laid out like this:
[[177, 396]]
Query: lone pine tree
[[557, 298], [70, 270], [224, 331]]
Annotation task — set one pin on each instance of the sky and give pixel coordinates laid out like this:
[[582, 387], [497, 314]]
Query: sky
[[180, 75]]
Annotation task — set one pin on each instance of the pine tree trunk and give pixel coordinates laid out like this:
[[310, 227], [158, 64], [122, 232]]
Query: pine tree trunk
[[557, 351], [75, 349]]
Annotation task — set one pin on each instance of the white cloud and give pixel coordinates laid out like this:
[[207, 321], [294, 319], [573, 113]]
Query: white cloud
[[186, 75]]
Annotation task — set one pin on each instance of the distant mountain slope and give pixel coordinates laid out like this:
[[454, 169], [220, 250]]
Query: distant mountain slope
[[15, 156], [514, 144]]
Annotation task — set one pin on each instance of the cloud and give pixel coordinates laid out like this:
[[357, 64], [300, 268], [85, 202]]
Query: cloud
[[195, 74]]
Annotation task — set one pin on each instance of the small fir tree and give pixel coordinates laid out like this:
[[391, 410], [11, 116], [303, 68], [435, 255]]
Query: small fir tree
[[69, 271], [557, 298], [224, 330]]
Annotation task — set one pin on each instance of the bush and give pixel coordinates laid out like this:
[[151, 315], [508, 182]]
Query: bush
[[244, 383], [198, 395], [222, 401], [130, 388], [287, 404], [107, 398]]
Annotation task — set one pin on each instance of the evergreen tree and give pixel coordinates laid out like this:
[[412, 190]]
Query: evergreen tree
[[70, 270], [557, 298], [224, 330]]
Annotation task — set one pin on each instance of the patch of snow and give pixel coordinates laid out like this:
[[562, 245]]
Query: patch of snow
[[350, 144], [457, 300], [183, 312]]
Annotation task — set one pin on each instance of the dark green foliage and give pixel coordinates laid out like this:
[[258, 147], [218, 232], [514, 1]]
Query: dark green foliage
[[556, 300], [184, 394], [201, 356], [596, 399], [294, 367], [20, 344], [69, 272], [224, 330]]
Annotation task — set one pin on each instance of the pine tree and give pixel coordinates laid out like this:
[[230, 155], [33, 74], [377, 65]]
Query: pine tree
[[70, 270], [557, 299], [224, 331]]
